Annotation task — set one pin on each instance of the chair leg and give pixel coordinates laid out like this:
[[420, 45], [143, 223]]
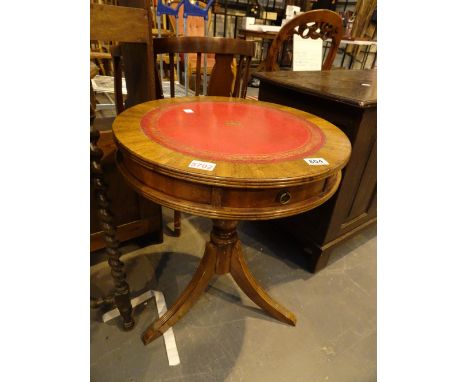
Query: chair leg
[[177, 225]]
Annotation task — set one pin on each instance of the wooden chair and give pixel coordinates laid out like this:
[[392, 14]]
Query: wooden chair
[[227, 78], [321, 23], [134, 215]]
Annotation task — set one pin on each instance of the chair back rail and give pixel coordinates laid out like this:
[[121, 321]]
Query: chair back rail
[[224, 81], [115, 23]]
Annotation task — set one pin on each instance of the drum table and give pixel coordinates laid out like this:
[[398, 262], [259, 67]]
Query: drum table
[[228, 160]]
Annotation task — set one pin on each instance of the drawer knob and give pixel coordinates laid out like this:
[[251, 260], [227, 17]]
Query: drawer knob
[[284, 197]]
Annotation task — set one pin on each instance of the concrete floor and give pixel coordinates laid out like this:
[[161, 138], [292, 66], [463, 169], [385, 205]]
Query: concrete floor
[[226, 337]]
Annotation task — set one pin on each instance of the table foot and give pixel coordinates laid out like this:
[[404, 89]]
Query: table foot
[[246, 281], [190, 295], [223, 254]]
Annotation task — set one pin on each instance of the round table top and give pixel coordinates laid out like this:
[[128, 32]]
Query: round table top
[[231, 142]]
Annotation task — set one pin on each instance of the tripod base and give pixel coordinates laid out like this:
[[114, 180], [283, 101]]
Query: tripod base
[[223, 254]]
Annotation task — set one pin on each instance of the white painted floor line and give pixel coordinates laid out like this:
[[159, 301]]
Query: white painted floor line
[[169, 338]]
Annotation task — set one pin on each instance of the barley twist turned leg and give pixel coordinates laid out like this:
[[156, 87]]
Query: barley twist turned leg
[[122, 292]]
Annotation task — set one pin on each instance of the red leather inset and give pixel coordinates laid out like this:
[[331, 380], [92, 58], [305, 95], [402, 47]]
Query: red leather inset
[[232, 131]]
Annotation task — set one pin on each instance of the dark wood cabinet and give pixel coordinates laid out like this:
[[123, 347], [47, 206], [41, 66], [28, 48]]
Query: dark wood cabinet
[[348, 99]]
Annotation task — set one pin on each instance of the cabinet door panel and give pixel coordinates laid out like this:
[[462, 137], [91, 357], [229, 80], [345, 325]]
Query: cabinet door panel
[[367, 186]]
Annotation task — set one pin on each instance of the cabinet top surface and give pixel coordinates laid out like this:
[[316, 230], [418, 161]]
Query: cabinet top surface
[[357, 87], [247, 141]]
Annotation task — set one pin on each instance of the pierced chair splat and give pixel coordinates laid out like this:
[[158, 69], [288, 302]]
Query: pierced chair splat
[[316, 24]]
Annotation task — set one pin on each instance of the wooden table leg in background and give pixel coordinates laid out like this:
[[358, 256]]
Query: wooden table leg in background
[[223, 254], [122, 292], [177, 223]]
